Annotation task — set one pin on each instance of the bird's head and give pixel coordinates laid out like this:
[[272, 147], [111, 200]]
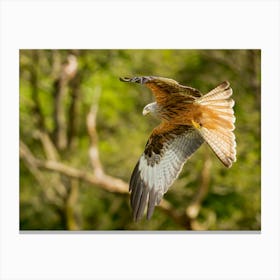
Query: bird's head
[[152, 109]]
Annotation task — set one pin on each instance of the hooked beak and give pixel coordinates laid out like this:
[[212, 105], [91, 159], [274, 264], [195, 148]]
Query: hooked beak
[[145, 112]]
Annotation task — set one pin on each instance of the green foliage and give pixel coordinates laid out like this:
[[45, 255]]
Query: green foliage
[[234, 198]]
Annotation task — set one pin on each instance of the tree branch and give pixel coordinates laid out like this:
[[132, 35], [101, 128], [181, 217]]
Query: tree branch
[[48, 146], [73, 110], [91, 127], [30, 163], [70, 206], [52, 154], [68, 72], [106, 182]]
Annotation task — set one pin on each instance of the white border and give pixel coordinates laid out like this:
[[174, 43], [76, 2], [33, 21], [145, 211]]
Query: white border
[[146, 24]]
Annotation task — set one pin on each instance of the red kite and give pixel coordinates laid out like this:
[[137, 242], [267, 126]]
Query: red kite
[[188, 118]]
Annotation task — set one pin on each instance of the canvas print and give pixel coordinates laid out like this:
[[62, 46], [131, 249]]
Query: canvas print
[[147, 140]]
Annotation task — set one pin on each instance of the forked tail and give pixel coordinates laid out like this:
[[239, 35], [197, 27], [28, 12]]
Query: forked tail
[[218, 122]]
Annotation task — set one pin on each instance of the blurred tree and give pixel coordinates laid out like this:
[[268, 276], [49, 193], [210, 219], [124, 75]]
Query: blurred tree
[[78, 124]]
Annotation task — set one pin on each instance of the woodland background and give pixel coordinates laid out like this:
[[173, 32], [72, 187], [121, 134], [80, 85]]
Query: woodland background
[[82, 132]]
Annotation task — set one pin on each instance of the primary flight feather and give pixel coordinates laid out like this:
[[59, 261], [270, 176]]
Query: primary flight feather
[[188, 118]]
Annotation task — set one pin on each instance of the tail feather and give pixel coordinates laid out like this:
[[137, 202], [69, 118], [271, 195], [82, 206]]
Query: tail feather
[[224, 148], [217, 102], [223, 89], [218, 123]]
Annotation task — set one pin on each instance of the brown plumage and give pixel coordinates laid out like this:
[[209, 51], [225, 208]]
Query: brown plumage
[[188, 118]]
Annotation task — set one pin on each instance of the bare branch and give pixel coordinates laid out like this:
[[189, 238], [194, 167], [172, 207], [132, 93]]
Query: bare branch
[[59, 117], [107, 182], [69, 70], [93, 150], [48, 146], [104, 181], [30, 163], [73, 110], [52, 154], [70, 206]]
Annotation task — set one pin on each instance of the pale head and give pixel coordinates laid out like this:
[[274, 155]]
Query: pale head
[[152, 109]]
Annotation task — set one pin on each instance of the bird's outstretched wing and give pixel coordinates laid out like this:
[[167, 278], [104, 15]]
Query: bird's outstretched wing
[[166, 151], [165, 88]]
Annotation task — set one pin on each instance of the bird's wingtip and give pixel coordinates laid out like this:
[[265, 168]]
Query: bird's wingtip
[[137, 79], [124, 79]]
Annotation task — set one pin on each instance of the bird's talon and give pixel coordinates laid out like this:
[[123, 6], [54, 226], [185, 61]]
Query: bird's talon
[[196, 125]]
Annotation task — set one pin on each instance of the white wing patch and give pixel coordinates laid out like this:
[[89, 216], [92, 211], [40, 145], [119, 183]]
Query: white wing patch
[[149, 182]]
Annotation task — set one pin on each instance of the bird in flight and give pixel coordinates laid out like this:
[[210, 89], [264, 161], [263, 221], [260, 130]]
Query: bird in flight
[[188, 119]]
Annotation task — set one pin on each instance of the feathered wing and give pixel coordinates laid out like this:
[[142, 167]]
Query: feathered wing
[[218, 122], [164, 88], [165, 154]]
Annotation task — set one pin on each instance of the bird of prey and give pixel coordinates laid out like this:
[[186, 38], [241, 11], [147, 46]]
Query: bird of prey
[[188, 118]]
